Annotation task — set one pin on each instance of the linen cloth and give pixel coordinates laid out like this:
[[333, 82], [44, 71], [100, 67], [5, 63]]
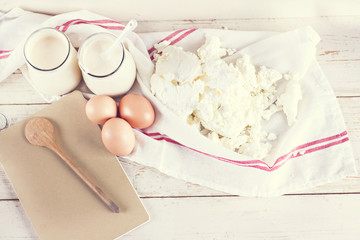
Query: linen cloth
[[314, 151]]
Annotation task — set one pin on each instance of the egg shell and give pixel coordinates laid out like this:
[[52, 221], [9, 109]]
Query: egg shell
[[100, 108], [118, 137], [137, 110]]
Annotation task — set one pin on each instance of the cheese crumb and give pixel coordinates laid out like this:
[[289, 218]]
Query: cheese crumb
[[290, 98]]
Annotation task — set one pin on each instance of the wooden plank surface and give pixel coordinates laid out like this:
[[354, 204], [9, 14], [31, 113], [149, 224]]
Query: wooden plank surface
[[181, 210], [344, 78], [288, 217], [162, 185]]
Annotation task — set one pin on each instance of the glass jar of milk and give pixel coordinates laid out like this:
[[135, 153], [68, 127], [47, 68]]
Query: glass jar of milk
[[52, 62], [110, 73]]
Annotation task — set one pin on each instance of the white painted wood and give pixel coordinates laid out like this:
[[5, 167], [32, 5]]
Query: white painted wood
[[344, 78], [149, 182], [350, 108], [16, 113], [181, 210], [187, 9], [14, 223], [340, 35], [288, 217], [338, 52], [16, 90], [6, 189]]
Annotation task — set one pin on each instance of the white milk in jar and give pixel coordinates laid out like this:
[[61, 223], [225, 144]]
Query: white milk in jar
[[51, 61], [111, 73]]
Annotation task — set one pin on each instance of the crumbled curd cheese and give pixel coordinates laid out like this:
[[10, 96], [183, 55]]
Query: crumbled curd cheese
[[225, 102], [290, 98]]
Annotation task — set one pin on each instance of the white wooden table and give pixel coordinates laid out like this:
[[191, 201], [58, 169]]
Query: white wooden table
[[181, 210]]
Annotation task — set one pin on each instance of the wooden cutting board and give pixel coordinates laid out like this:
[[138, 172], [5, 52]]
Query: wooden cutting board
[[58, 204]]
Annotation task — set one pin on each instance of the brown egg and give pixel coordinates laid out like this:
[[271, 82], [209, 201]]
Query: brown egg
[[118, 137], [101, 108], [137, 110]]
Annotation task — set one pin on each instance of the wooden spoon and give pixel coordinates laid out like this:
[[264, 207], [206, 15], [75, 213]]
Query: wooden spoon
[[40, 132]]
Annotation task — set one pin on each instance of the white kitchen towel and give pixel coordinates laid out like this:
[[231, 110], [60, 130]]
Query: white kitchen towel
[[315, 150]]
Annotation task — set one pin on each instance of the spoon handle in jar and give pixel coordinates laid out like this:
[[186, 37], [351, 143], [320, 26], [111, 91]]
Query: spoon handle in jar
[[132, 24]]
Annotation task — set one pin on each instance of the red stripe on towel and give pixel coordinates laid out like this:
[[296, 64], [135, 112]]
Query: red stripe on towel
[[182, 36], [166, 39], [4, 56], [5, 51], [260, 164], [99, 23]]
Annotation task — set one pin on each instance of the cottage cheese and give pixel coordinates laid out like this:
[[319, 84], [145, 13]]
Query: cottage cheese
[[226, 102]]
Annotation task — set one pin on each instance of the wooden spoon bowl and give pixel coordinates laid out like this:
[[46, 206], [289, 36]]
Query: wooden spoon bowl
[[40, 132]]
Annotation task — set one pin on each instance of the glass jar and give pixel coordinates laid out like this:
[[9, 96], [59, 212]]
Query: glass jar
[[109, 73], [51, 62]]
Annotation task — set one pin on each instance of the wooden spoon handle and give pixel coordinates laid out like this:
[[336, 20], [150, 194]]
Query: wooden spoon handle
[[92, 185]]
